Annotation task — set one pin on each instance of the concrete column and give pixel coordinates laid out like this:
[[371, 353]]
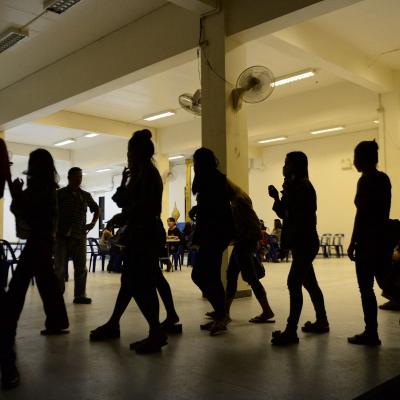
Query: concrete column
[[224, 130], [390, 116], [188, 189], [1, 203], [162, 164]]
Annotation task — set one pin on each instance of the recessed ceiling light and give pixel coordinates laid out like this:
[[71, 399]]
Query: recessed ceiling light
[[90, 135], [64, 142], [104, 170], [326, 130], [175, 157], [298, 76], [159, 115], [59, 6], [376, 121], [275, 139], [10, 37]]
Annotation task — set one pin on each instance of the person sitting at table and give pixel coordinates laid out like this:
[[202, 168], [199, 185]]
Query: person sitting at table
[[173, 234], [104, 241]]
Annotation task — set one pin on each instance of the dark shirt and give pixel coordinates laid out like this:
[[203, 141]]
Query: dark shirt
[[372, 200], [72, 211], [141, 201], [175, 232], [36, 212], [297, 208], [214, 221]]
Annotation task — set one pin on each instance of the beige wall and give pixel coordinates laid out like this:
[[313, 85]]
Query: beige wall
[[335, 186]]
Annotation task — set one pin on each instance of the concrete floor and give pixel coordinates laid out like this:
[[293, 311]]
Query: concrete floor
[[240, 364]]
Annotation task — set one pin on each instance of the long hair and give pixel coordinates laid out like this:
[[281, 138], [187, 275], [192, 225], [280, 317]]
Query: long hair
[[141, 145], [42, 173], [205, 167]]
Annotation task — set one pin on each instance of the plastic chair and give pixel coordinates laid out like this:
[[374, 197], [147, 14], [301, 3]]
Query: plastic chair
[[177, 257], [8, 261], [273, 249], [325, 244], [337, 244], [95, 252]]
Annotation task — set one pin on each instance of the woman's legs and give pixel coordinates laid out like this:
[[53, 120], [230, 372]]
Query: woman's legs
[[206, 275], [165, 293]]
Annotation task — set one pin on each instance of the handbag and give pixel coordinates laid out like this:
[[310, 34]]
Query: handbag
[[259, 267]]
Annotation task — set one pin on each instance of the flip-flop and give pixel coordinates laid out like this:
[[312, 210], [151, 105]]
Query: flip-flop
[[261, 320]]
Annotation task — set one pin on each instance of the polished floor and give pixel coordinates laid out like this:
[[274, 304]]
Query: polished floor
[[241, 364]]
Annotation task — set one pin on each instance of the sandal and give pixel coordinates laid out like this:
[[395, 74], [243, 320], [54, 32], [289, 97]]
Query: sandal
[[284, 338], [207, 326], [104, 332], [365, 339], [260, 319], [316, 327]]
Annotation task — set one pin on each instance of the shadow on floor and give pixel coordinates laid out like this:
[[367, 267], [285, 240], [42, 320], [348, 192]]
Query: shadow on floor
[[386, 391]]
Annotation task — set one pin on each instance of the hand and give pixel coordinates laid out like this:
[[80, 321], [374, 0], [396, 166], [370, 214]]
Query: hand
[[273, 192], [16, 186], [125, 176], [351, 251], [89, 227]]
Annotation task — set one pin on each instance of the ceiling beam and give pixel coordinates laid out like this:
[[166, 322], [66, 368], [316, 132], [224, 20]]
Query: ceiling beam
[[22, 149], [197, 6], [326, 51], [84, 122]]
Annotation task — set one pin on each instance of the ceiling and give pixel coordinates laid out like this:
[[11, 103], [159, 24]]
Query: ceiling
[[45, 135], [53, 37], [371, 26]]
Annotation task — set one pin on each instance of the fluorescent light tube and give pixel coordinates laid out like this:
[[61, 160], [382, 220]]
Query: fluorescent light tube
[[163, 114], [175, 157], [90, 135], [334, 129], [276, 139], [64, 142], [11, 37], [59, 6], [298, 76], [104, 170]]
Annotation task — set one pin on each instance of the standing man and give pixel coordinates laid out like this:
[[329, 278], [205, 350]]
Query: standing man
[[72, 230]]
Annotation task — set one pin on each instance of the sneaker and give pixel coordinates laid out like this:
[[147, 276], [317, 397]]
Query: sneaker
[[82, 300], [9, 376], [316, 327], [365, 339], [284, 338], [104, 332]]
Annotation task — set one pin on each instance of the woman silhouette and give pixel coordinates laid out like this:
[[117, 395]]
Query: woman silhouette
[[297, 208]]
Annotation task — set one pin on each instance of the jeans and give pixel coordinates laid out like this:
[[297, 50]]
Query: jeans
[[35, 261], [372, 261], [65, 248], [302, 274]]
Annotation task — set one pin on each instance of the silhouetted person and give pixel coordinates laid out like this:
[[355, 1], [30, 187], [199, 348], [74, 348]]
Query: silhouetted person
[[242, 259], [297, 207], [213, 232], [35, 209], [140, 200], [111, 329], [72, 229], [369, 243]]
